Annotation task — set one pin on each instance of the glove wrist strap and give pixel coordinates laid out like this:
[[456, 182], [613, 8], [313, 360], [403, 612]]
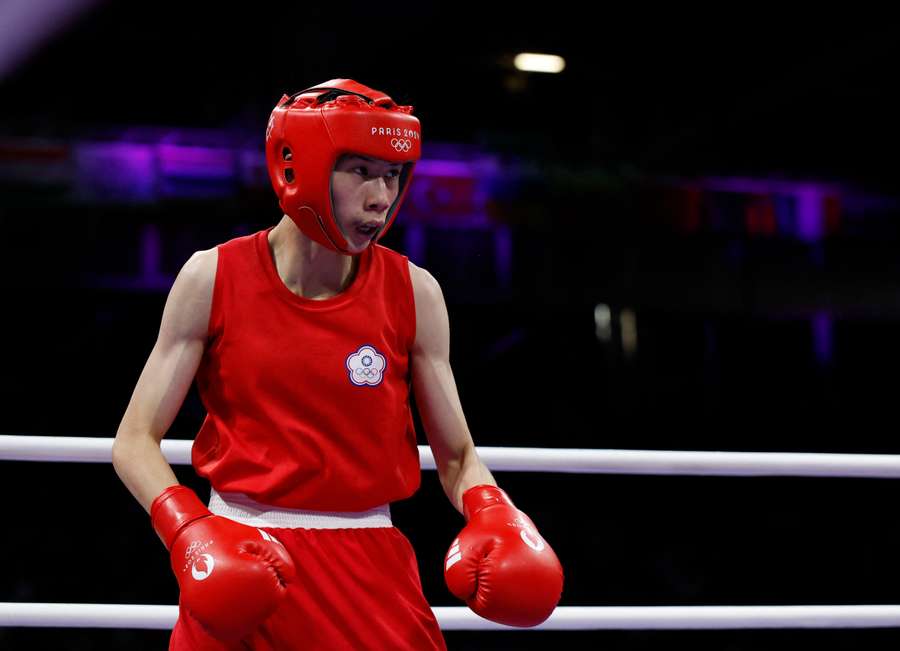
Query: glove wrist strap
[[479, 497], [173, 509]]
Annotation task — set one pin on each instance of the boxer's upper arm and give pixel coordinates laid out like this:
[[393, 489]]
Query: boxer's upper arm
[[173, 362], [434, 387]]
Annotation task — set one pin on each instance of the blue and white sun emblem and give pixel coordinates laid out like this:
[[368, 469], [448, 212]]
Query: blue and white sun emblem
[[366, 366]]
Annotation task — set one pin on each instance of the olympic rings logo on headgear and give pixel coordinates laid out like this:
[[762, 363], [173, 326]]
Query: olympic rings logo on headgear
[[367, 372], [401, 144]]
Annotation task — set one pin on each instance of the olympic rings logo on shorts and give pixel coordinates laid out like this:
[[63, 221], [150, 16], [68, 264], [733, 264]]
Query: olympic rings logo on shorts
[[401, 144]]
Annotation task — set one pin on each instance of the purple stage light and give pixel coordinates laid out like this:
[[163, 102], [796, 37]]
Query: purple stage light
[[115, 171]]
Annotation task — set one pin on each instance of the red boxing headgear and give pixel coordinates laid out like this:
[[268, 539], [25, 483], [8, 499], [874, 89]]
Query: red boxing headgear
[[307, 133]]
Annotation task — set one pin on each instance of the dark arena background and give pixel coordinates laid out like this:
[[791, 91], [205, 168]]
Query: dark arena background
[[687, 239]]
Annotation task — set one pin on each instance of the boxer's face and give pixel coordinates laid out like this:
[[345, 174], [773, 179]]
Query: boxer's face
[[362, 191]]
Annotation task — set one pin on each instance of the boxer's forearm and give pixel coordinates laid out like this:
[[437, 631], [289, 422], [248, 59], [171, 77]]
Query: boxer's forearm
[[143, 469], [458, 477]]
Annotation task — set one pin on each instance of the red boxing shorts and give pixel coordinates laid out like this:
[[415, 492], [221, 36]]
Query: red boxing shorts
[[357, 585]]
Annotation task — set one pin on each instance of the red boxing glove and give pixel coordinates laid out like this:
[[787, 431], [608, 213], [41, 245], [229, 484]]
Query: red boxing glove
[[231, 576], [499, 565]]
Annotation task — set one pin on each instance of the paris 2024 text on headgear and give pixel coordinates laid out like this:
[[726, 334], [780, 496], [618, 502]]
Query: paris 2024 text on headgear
[[310, 130]]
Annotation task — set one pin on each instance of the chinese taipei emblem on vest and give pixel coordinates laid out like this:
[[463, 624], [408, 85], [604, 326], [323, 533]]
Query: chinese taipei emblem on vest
[[366, 366]]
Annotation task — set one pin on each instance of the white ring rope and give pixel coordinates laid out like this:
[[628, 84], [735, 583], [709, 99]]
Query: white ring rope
[[637, 462], [462, 619], [84, 449]]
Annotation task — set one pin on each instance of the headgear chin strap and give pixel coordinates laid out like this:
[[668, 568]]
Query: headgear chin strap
[[307, 133]]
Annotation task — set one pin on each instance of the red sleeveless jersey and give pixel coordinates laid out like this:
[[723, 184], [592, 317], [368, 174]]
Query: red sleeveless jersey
[[308, 400]]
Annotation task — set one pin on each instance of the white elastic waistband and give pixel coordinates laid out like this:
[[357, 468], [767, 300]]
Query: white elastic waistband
[[239, 507]]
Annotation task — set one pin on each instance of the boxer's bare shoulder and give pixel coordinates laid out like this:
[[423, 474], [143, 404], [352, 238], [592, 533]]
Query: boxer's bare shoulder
[[190, 300], [425, 286]]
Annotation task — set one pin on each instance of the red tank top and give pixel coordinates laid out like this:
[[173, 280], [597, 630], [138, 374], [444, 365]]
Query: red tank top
[[308, 401]]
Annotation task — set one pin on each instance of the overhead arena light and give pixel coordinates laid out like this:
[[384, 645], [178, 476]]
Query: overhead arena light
[[530, 62]]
